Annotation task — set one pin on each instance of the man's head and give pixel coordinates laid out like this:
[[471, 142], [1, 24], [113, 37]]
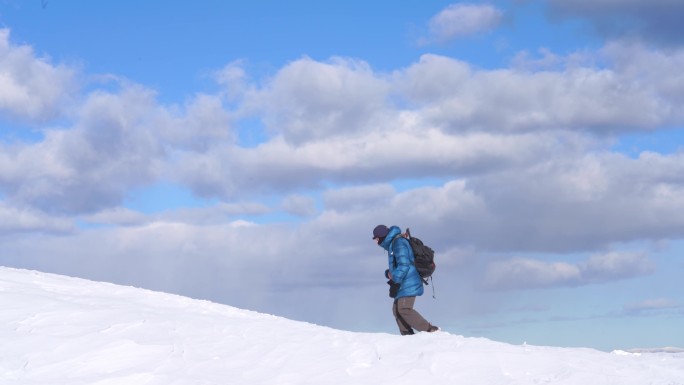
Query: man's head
[[379, 233]]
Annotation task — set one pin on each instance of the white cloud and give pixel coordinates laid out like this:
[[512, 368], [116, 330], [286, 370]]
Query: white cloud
[[340, 122], [640, 92], [580, 190], [202, 122], [233, 78], [31, 88], [406, 153], [120, 140], [92, 165], [587, 201], [651, 305], [310, 100], [462, 20], [523, 273], [614, 266], [15, 219]]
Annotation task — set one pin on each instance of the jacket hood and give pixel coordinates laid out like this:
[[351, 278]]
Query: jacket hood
[[394, 231]]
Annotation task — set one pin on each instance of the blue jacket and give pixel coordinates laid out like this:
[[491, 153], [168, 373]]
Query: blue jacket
[[405, 272]]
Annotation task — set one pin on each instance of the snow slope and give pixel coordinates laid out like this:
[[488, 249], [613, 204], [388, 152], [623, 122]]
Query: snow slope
[[60, 330]]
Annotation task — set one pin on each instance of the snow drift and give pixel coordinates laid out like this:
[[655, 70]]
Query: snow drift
[[61, 330]]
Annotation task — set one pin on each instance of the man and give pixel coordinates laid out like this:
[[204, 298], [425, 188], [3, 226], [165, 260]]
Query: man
[[402, 273]]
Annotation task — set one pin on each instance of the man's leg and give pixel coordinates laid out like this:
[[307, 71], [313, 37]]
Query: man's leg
[[404, 327], [405, 311]]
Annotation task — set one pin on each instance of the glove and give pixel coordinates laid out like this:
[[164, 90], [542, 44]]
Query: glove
[[393, 288]]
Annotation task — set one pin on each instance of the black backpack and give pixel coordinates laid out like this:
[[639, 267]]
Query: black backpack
[[424, 257]]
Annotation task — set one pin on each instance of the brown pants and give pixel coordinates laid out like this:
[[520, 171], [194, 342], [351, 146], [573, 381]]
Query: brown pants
[[407, 318]]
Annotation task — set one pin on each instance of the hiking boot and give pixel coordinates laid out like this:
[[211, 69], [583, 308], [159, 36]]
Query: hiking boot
[[433, 329], [408, 333]]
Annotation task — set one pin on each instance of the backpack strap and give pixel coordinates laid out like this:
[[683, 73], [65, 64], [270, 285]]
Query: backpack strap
[[391, 249], [407, 236]]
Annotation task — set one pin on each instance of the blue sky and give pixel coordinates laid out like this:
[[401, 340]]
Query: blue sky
[[243, 153]]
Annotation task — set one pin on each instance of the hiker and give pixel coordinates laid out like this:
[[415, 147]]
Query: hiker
[[404, 280]]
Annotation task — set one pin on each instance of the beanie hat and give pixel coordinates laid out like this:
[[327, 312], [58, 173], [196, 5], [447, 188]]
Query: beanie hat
[[380, 231]]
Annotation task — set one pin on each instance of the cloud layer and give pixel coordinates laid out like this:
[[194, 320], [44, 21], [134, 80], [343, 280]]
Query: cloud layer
[[654, 20]]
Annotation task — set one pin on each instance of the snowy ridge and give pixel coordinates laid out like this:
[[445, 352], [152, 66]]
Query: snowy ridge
[[60, 330]]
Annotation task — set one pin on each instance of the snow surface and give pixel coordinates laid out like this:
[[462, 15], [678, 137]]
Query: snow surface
[[60, 330]]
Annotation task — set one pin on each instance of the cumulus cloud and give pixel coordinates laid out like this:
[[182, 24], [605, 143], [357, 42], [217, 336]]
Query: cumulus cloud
[[568, 203], [339, 121], [229, 171], [309, 100], [31, 88], [615, 266], [194, 127], [589, 200], [120, 140], [126, 139], [462, 20], [522, 273], [633, 95], [234, 80], [89, 166]]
